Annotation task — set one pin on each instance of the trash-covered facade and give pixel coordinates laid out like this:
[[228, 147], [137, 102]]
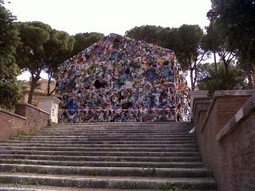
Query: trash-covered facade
[[121, 79]]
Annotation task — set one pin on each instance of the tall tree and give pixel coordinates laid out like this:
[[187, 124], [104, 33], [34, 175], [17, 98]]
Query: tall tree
[[237, 18], [9, 86], [147, 33], [30, 53], [57, 50], [41, 48], [187, 45], [213, 41], [167, 37], [84, 40]]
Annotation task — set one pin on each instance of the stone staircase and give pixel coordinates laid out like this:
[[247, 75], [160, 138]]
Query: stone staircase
[[104, 157]]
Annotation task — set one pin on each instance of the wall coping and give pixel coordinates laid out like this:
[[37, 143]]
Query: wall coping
[[31, 106], [197, 94], [242, 114], [224, 93], [13, 114], [198, 100], [197, 105], [52, 98]]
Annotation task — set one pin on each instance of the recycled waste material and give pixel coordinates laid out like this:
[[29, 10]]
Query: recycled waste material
[[119, 79]]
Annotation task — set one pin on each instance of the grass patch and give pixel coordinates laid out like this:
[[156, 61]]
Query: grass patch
[[41, 171], [1, 180], [13, 170], [152, 171], [168, 187]]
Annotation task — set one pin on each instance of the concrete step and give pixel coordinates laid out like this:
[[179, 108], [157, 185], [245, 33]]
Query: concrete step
[[102, 142], [106, 163], [122, 125], [122, 130], [113, 133], [126, 138], [103, 126], [119, 125], [116, 131], [102, 153], [107, 182], [48, 188], [104, 158], [106, 171], [88, 145], [102, 148], [16, 187], [155, 132], [112, 139], [108, 132]]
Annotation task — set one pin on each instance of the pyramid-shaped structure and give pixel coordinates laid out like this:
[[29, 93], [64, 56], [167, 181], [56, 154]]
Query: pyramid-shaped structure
[[122, 79]]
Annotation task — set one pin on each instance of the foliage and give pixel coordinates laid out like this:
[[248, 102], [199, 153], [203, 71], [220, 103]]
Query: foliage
[[10, 93], [236, 19], [57, 50], [30, 54], [84, 40], [213, 41], [168, 187], [8, 44], [208, 81], [147, 33], [187, 44], [9, 87], [41, 48]]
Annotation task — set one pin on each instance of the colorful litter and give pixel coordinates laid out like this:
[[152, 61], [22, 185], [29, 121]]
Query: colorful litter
[[119, 79]]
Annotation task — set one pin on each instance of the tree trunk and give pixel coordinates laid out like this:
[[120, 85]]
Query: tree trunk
[[48, 85], [52, 91], [250, 81], [33, 85], [32, 90], [253, 77], [49, 91], [192, 80], [250, 74]]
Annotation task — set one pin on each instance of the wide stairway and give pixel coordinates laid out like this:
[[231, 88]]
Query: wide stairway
[[104, 157]]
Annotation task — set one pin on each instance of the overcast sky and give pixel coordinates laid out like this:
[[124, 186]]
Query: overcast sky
[[110, 16]]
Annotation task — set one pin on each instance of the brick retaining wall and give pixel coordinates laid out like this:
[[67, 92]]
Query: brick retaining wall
[[25, 119], [229, 152]]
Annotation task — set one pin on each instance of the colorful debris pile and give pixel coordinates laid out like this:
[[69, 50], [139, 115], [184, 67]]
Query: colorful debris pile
[[121, 79]]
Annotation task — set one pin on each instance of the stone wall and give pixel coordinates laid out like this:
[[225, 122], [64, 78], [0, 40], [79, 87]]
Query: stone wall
[[27, 118], [226, 134]]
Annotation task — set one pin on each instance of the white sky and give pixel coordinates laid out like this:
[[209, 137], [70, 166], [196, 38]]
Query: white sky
[[110, 16]]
